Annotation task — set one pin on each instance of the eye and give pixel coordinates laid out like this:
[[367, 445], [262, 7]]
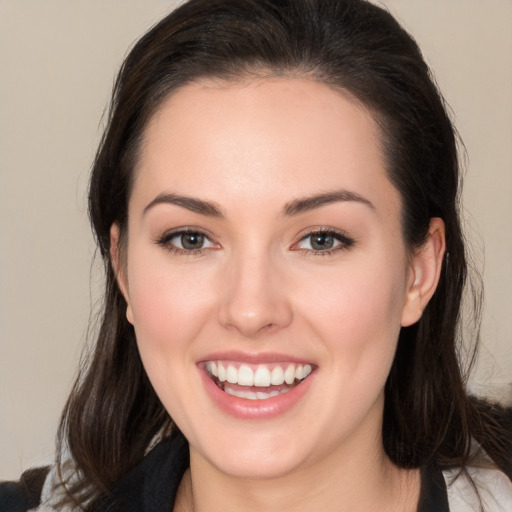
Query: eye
[[186, 241], [324, 241]]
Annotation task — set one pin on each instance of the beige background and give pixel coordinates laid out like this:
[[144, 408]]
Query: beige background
[[57, 63]]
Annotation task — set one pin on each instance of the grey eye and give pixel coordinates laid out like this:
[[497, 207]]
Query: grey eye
[[321, 241], [324, 241], [191, 241], [188, 241]]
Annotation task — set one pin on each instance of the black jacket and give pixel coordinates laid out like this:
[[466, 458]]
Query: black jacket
[[152, 485]]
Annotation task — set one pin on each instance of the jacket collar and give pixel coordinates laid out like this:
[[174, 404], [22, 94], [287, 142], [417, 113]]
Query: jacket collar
[[153, 484]]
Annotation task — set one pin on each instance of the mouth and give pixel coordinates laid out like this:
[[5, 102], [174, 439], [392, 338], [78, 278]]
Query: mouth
[[257, 381]]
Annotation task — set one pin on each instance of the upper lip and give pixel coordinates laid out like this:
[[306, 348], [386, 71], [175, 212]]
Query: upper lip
[[254, 357]]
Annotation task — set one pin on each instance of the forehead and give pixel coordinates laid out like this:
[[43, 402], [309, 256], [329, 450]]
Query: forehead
[[271, 138]]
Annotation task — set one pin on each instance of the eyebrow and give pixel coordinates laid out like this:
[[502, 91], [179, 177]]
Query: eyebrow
[[201, 206], [298, 206], [294, 207]]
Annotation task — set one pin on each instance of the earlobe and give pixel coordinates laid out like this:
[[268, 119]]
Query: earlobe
[[116, 260], [426, 265]]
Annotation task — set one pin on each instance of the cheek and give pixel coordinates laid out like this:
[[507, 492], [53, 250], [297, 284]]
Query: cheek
[[170, 309], [357, 314], [168, 305]]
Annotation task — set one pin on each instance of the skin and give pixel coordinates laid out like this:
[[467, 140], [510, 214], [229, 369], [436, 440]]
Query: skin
[[258, 286]]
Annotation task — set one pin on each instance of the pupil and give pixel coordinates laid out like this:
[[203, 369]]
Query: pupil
[[322, 242], [192, 241]]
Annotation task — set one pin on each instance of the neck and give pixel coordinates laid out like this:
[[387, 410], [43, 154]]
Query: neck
[[355, 480]]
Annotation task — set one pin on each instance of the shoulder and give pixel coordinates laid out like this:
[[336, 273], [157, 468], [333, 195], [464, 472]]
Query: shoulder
[[35, 491], [492, 486], [25, 494], [155, 479]]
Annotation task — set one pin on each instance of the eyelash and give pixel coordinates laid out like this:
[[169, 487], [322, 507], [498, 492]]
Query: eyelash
[[165, 241], [345, 241]]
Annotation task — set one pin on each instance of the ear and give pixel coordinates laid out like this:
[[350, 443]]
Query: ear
[[426, 264], [119, 266]]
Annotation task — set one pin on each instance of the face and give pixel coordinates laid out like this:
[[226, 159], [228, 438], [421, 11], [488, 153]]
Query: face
[[265, 273]]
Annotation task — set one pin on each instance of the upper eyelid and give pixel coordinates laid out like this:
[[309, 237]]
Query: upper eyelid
[[324, 230]]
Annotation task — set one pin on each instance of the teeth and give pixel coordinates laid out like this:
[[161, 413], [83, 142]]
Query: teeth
[[232, 375], [254, 395], [261, 376], [277, 377], [245, 376], [221, 372], [251, 395], [289, 375]]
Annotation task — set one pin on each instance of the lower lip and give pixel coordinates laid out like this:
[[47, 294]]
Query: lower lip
[[244, 408]]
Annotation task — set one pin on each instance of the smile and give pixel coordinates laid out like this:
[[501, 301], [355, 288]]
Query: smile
[[257, 382]]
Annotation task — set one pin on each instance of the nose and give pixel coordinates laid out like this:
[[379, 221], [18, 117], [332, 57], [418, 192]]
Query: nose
[[254, 298]]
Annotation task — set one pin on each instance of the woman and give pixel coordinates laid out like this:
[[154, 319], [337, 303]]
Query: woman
[[275, 200]]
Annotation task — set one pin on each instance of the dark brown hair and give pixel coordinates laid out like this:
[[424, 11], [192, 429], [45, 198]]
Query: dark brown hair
[[113, 414]]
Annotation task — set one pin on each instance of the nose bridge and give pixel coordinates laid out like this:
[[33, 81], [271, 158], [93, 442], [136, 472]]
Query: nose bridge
[[254, 300]]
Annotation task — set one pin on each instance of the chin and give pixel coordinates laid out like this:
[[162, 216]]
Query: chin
[[260, 456]]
